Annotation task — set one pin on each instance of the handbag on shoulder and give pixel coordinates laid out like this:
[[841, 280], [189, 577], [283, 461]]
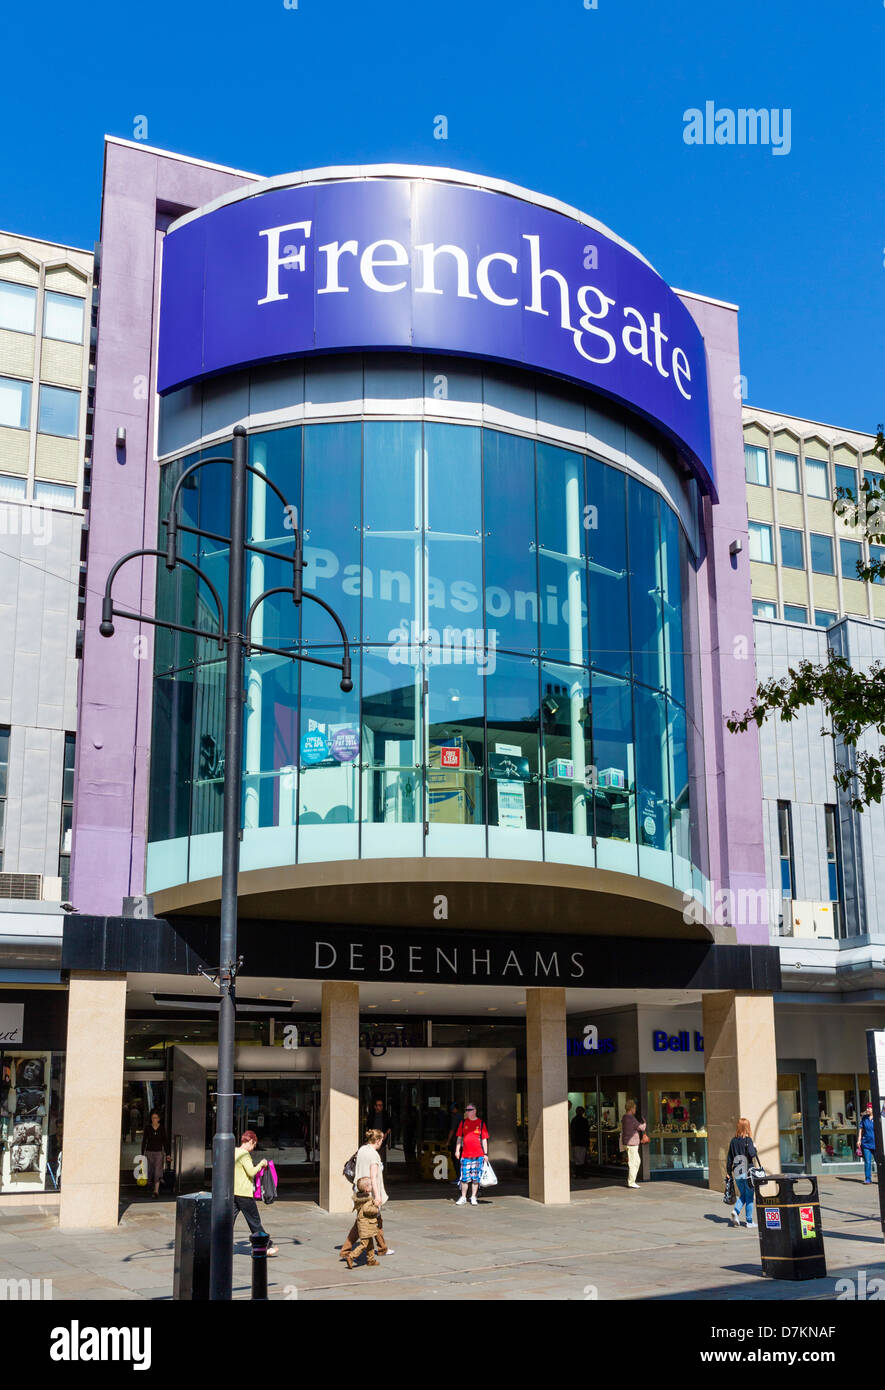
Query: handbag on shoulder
[[349, 1169]]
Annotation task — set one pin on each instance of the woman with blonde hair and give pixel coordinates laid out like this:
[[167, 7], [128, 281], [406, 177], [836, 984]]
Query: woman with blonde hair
[[742, 1156], [369, 1166]]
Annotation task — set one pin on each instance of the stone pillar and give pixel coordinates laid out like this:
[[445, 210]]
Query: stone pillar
[[547, 1099], [339, 1091], [93, 1101], [740, 1067]]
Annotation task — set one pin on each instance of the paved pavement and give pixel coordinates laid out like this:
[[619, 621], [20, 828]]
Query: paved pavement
[[668, 1240]]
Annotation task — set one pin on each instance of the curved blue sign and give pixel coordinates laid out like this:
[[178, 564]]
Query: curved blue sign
[[414, 264]]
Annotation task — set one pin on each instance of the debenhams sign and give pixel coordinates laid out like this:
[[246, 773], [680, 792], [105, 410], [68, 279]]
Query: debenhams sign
[[448, 962], [423, 265]]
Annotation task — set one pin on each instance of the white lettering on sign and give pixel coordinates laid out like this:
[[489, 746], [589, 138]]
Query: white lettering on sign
[[377, 263]]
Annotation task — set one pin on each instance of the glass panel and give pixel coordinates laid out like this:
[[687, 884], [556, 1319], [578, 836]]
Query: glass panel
[[837, 1102], [208, 753], [606, 541], [646, 615], [17, 307], [652, 781], [789, 1110], [329, 749], [12, 489], [680, 809], [795, 613], [877, 555], [786, 471], [392, 518], [55, 494], [15, 403], [568, 748], [756, 464], [823, 617], [59, 412], [846, 478], [511, 592], [455, 745], [454, 539], [62, 317], [332, 529], [822, 554], [764, 609], [513, 744], [584, 1129], [675, 612], [817, 477], [760, 542], [171, 751], [390, 739], [561, 554], [851, 555], [613, 758], [792, 548]]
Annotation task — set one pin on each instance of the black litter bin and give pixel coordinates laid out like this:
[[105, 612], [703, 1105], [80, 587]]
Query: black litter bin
[[791, 1240], [192, 1231]]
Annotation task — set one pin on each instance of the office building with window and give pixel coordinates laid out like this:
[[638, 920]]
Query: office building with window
[[45, 319]]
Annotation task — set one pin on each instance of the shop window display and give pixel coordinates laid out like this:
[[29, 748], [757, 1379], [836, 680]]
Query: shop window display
[[30, 1136], [678, 1131], [837, 1107], [789, 1114]]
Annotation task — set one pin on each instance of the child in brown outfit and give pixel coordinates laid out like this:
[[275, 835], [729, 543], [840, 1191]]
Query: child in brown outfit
[[366, 1224]]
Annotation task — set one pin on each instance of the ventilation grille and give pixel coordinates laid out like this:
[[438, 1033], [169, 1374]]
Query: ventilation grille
[[21, 886]]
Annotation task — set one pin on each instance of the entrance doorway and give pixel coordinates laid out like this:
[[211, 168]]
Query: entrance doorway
[[283, 1110], [421, 1111]]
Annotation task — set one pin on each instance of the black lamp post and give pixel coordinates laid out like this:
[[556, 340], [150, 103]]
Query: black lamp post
[[235, 637]]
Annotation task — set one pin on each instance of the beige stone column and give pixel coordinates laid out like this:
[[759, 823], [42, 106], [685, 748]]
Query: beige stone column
[[547, 1099], [740, 1066], [93, 1101], [339, 1091]]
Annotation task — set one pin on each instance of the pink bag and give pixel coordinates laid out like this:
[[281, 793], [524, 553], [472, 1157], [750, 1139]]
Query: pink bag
[[267, 1184]]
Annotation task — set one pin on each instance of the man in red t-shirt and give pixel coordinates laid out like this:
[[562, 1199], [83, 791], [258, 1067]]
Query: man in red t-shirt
[[471, 1149]]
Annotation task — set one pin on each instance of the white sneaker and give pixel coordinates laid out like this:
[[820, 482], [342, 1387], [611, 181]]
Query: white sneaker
[[461, 1202], [473, 1202]]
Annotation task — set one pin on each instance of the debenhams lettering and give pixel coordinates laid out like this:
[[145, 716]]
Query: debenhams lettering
[[383, 266], [457, 962]]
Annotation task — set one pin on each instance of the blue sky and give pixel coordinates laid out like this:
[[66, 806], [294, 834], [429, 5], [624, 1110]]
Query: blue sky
[[585, 105]]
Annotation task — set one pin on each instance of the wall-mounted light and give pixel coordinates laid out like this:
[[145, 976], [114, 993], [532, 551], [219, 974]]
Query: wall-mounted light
[[735, 548], [121, 436]]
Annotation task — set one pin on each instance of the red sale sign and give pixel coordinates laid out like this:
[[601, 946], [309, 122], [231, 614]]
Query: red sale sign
[[451, 757]]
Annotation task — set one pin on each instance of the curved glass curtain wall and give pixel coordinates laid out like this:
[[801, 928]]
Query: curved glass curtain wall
[[526, 672]]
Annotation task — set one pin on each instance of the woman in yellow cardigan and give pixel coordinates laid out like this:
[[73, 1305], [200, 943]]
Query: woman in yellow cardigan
[[245, 1173]]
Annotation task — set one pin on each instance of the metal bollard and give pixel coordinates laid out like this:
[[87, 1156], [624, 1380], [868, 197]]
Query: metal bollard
[[260, 1242]]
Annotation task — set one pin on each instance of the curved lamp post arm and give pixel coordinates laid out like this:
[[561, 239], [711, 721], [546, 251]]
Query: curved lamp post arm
[[170, 521], [106, 627], [344, 665]]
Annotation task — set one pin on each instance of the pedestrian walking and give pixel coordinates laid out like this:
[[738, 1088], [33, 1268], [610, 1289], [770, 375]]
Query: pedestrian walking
[[368, 1214], [866, 1142], [245, 1173], [742, 1156], [369, 1167], [156, 1151], [632, 1131], [471, 1149], [378, 1118], [579, 1135]]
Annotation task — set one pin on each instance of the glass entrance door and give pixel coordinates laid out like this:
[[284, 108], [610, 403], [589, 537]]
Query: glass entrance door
[[419, 1111], [284, 1113]]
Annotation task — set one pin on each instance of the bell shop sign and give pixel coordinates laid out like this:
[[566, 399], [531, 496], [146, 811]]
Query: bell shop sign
[[12, 1022]]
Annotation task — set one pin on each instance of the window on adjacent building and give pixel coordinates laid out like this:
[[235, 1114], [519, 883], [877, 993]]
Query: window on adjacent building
[[846, 477], [786, 471], [792, 548], [18, 304], [67, 815], [12, 488], [874, 479], [823, 617], [756, 464], [834, 865], [763, 609], [55, 494], [817, 477], [4, 779], [785, 840], [877, 555], [15, 403], [59, 412], [850, 555], [822, 554], [62, 317], [795, 613], [760, 542]]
